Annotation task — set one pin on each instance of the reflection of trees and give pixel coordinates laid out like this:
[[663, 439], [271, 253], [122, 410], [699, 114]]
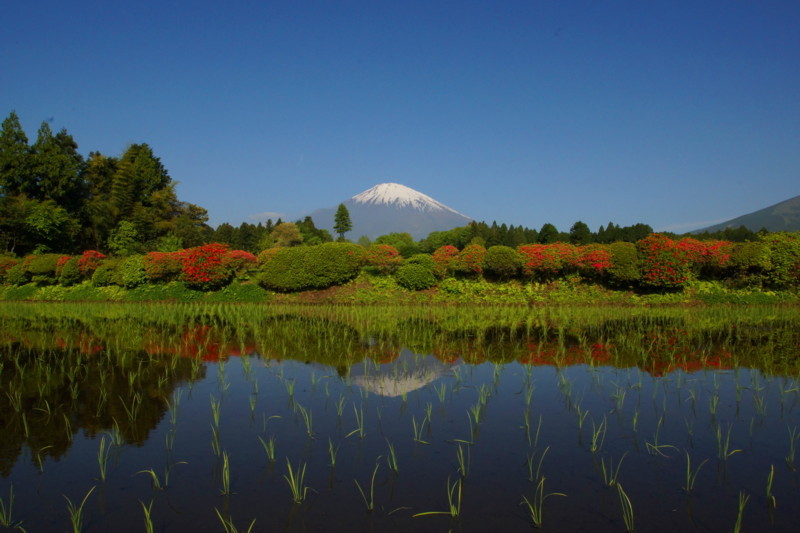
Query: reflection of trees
[[57, 382]]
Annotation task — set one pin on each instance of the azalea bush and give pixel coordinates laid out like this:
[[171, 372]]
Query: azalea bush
[[547, 261], [163, 266], [665, 264], [383, 258], [470, 260], [445, 260], [89, 261], [206, 267]]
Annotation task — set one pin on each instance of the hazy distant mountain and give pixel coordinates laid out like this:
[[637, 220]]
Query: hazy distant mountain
[[391, 207], [784, 216]]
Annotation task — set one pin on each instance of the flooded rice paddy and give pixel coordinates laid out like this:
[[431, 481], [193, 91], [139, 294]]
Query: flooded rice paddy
[[224, 418]]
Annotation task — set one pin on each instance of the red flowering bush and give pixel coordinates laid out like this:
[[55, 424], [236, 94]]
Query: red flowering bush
[[6, 262], [445, 260], [60, 264], [470, 260], [163, 266], [593, 260], [241, 261], [89, 261], [384, 258], [206, 267], [665, 263], [547, 260]]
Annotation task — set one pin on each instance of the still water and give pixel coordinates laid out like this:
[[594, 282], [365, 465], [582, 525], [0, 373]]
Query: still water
[[398, 420]]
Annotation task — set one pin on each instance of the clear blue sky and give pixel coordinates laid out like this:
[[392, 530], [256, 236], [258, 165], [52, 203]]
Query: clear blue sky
[[676, 114]]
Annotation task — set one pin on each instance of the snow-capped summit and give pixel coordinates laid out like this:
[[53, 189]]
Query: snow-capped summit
[[391, 207], [397, 195]]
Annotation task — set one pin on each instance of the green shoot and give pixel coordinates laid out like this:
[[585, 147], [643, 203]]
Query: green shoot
[[537, 502]]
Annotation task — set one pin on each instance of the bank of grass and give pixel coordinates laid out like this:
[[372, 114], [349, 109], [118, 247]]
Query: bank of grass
[[374, 289]]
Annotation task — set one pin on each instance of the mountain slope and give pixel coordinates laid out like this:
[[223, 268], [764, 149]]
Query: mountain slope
[[783, 216], [391, 207]]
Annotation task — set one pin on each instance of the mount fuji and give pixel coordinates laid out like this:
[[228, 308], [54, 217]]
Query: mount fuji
[[391, 207]]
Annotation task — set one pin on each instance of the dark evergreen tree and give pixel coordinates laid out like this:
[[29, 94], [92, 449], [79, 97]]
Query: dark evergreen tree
[[341, 221]]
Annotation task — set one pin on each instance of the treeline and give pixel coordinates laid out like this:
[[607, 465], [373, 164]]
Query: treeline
[[54, 200]]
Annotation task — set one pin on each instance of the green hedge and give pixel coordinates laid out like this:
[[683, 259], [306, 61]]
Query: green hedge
[[415, 277], [312, 267]]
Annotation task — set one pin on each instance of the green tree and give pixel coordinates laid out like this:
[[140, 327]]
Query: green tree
[[124, 239], [580, 233], [15, 157], [286, 234], [341, 221], [548, 234]]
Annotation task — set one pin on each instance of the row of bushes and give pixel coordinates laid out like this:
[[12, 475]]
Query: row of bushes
[[656, 262]]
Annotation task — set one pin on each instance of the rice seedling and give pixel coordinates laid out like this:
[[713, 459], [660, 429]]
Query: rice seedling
[[418, 431], [359, 413], [453, 501], [369, 503], [391, 458], [771, 497], [655, 448], [76, 512], [627, 508], [611, 474], [215, 405], [102, 458], [7, 511], [173, 407], [724, 444], [598, 435], [296, 480], [148, 520], [332, 451], [340, 406], [226, 474], [216, 447], [536, 503], [743, 499], [441, 391], [269, 447], [228, 525], [463, 461], [793, 437], [691, 475], [308, 419]]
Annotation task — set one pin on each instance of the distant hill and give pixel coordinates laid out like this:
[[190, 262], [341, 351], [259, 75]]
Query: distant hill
[[391, 207], [784, 216]]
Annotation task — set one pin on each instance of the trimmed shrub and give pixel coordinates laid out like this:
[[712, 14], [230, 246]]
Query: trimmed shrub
[[784, 255], [240, 292], [470, 260], [70, 272], [593, 260], [445, 260], [206, 267], [17, 275], [131, 272], [415, 277], [162, 266], [312, 267], [241, 262], [106, 273], [383, 258], [425, 260], [665, 265], [6, 262], [547, 261], [502, 262], [625, 268], [89, 261], [43, 268]]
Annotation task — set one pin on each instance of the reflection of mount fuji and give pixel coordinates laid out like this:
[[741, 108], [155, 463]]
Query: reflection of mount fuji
[[407, 373]]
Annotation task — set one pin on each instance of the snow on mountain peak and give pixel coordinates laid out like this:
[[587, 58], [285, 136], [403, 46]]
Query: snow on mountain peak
[[397, 195]]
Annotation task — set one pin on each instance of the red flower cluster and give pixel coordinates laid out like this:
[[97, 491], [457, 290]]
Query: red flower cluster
[[240, 260], [470, 260], [665, 263], [445, 260], [60, 263], [384, 257], [206, 266], [89, 261], [546, 259], [162, 266]]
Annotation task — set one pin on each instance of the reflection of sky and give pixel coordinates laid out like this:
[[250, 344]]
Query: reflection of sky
[[407, 373]]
